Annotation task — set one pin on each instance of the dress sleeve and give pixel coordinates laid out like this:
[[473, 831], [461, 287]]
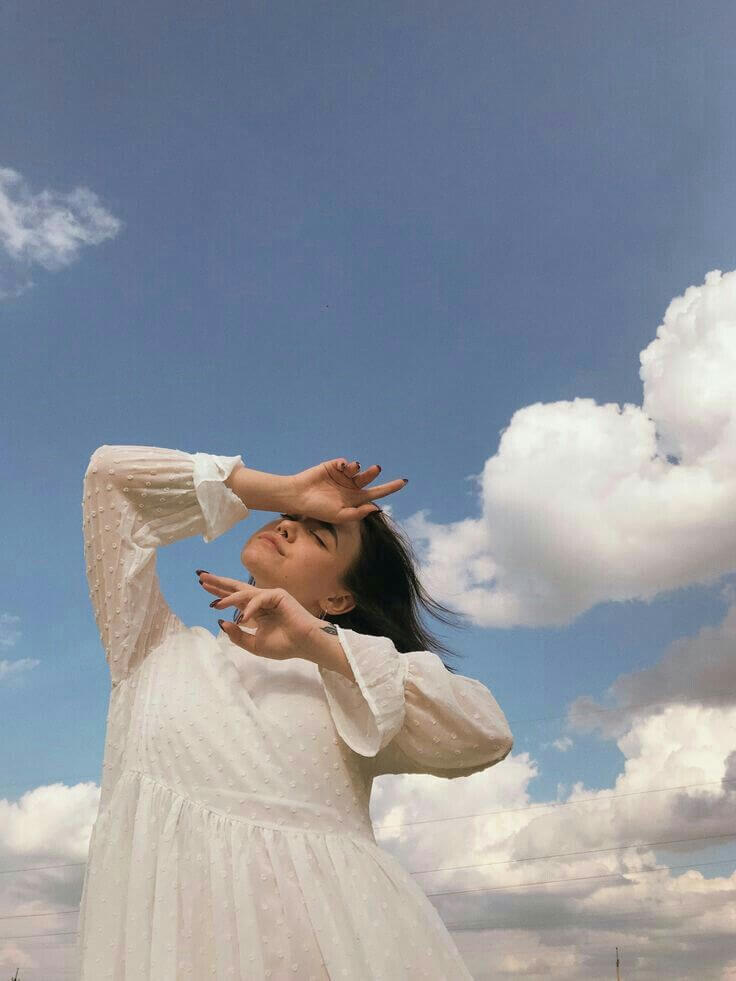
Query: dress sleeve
[[412, 715], [134, 499]]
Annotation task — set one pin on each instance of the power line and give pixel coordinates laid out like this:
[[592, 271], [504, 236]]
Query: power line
[[563, 803], [57, 912], [453, 892], [450, 926], [40, 868], [589, 851], [38, 936], [582, 878]]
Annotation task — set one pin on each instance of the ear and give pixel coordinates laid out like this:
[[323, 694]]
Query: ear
[[343, 603]]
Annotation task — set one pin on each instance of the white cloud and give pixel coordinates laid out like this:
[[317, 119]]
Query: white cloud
[[491, 891], [528, 889], [475, 865], [583, 503], [49, 825], [47, 229]]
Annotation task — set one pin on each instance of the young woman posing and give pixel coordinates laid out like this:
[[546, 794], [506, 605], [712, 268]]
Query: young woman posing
[[233, 838]]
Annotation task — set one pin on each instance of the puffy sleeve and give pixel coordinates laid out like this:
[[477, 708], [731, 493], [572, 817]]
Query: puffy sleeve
[[410, 714], [134, 499]]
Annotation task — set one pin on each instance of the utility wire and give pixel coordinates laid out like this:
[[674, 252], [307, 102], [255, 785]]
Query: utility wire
[[479, 865], [590, 851], [453, 892], [563, 803], [40, 868], [582, 878]]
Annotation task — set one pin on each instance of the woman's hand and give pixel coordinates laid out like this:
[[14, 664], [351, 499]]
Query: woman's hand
[[283, 625], [337, 491]]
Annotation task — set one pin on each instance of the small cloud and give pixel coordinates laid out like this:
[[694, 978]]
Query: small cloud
[[13, 668], [9, 633], [46, 229], [563, 743]]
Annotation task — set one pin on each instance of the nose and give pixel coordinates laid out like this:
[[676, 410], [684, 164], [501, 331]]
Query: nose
[[282, 527]]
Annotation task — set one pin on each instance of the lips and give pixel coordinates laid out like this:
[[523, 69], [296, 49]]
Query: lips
[[273, 539]]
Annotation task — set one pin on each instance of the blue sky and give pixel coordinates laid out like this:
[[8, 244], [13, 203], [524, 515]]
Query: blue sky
[[329, 229]]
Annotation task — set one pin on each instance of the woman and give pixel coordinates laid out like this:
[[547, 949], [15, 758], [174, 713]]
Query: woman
[[233, 838]]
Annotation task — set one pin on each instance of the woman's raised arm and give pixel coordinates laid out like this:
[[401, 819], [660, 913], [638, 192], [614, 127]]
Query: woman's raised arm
[[261, 491]]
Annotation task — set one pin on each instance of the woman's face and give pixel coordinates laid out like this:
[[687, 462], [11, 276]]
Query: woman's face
[[308, 560]]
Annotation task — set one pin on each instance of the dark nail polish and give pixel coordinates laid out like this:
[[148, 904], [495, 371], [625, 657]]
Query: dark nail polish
[[200, 571], [215, 601], [221, 622], [405, 479]]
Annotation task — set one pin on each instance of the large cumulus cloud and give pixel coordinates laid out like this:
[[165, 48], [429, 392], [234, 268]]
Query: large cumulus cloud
[[584, 503]]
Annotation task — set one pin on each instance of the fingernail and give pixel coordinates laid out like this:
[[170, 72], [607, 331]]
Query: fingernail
[[215, 601], [221, 622], [200, 571], [405, 479]]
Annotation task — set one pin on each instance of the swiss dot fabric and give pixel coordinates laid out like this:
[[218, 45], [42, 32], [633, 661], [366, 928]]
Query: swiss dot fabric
[[233, 838]]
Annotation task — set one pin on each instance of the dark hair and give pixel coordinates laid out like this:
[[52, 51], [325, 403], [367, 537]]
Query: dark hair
[[388, 593]]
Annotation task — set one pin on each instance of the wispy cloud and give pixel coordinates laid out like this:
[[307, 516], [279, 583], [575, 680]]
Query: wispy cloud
[[47, 229], [699, 669], [9, 637], [14, 668], [585, 503], [9, 632]]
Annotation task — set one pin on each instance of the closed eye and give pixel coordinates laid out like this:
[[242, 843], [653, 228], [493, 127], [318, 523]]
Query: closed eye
[[292, 517]]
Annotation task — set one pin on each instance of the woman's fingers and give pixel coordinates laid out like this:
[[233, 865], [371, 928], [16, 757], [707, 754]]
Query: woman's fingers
[[239, 590], [235, 634], [361, 479], [209, 579], [383, 490], [215, 590]]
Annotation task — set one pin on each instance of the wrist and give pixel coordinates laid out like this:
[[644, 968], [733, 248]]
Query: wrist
[[324, 649]]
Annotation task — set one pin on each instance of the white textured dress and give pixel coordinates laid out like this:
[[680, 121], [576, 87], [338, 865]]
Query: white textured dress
[[233, 838]]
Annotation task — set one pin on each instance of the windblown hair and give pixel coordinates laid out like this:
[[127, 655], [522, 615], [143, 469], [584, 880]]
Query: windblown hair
[[388, 593]]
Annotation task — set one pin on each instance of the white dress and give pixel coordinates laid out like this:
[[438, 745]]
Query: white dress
[[233, 838]]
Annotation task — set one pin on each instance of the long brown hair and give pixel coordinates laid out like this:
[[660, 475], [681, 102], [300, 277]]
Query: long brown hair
[[389, 596]]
